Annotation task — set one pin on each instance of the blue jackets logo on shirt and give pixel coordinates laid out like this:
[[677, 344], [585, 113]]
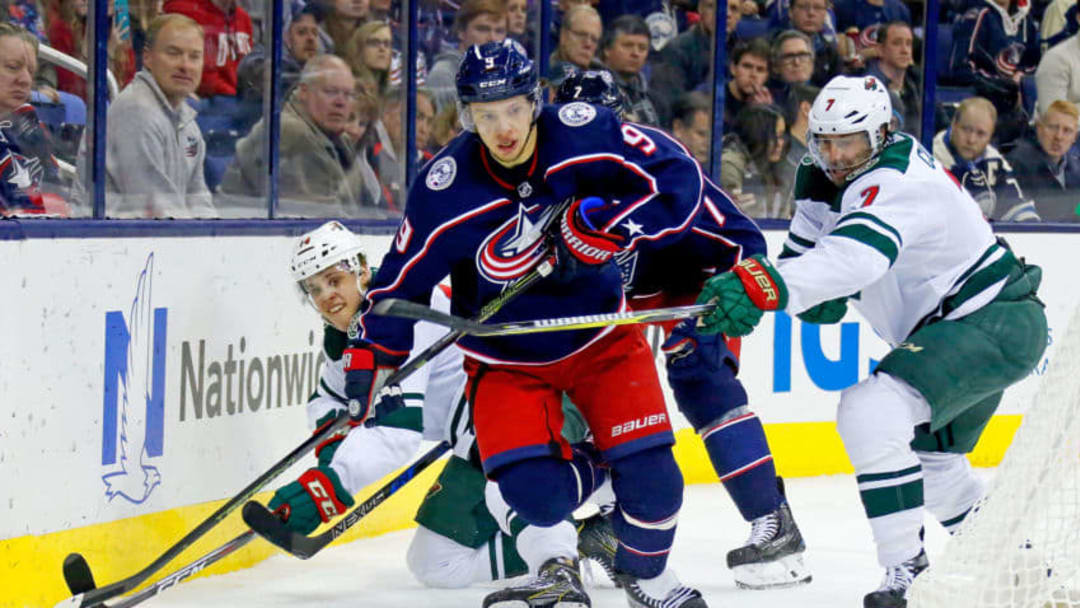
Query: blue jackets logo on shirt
[[514, 248]]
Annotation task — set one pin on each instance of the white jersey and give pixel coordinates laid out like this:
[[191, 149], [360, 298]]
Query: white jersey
[[903, 239], [368, 454]]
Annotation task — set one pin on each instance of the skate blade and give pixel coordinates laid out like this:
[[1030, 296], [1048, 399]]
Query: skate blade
[[788, 571], [525, 604]]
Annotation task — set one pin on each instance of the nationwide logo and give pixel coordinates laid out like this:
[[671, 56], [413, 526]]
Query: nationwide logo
[[515, 247], [133, 416]]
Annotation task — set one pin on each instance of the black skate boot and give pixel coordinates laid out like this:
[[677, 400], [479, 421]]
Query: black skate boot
[[596, 541], [664, 591], [772, 556], [893, 590], [556, 585]]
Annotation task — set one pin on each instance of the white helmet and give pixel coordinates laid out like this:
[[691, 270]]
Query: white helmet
[[850, 104], [328, 245]]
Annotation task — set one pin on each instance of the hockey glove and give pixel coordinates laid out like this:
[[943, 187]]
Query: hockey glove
[[317, 496], [741, 295], [826, 313], [325, 450], [579, 246], [366, 368]]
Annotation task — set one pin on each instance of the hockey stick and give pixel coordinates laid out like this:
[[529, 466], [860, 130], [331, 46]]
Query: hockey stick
[[411, 310], [269, 526], [77, 572]]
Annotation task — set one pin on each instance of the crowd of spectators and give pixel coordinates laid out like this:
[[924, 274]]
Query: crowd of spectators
[[187, 135]]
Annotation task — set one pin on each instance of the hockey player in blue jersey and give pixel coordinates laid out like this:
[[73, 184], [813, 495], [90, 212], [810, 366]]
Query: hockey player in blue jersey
[[471, 215], [702, 369]]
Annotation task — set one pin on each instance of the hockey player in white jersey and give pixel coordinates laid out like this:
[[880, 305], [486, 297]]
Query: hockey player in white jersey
[[467, 533], [880, 224]]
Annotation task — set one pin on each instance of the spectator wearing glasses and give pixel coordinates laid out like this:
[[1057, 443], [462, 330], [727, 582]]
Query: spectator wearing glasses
[[579, 39], [749, 72], [792, 63], [301, 43], [808, 17], [154, 150], [626, 47], [227, 36], [369, 53], [476, 22], [965, 150], [1047, 166], [317, 159], [683, 64]]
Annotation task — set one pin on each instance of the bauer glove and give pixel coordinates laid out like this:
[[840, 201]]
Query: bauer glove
[[826, 313], [316, 497], [366, 369], [741, 296]]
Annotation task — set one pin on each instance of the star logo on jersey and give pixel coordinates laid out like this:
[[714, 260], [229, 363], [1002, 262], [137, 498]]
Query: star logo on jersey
[[20, 177], [633, 227], [515, 247]]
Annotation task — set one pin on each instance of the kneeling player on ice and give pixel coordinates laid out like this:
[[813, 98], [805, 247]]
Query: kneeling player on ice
[[880, 223], [474, 214], [459, 541], [701, 369]]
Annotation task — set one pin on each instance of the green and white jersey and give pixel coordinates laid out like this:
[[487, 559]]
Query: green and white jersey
[[367, 454], [903, 239]]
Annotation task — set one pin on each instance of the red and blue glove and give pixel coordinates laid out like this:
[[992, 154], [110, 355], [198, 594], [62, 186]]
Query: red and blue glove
[[317, 496], [580, 245], [741, 295], [366, 369]]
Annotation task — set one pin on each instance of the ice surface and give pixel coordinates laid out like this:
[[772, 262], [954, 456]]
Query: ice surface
[[372, 572]]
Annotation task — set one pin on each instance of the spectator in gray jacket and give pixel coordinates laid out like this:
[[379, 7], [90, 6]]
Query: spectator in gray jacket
[[317, 174], [154, 150], [476, 22]]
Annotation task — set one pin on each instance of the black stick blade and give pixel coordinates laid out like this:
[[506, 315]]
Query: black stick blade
[[270, 527], [77, 574]]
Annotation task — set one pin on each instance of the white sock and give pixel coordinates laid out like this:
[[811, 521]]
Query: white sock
[[537, 545], [660, 586]]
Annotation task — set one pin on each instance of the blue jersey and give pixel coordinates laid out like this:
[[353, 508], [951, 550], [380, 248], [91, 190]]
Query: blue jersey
[[720, 236], [474, 220]]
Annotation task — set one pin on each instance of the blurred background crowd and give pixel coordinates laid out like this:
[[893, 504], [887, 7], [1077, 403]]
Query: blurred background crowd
[[187, 131]]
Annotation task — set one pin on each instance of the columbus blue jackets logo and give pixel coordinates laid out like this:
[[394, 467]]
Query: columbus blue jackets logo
[[442, 174], [577, 114], [515, 247], [192, 147]]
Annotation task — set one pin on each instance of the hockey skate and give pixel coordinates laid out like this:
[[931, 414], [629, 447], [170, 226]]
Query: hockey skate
[[664, 591], [556, 585], [893, 590], [596, 541], [772, 556]]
